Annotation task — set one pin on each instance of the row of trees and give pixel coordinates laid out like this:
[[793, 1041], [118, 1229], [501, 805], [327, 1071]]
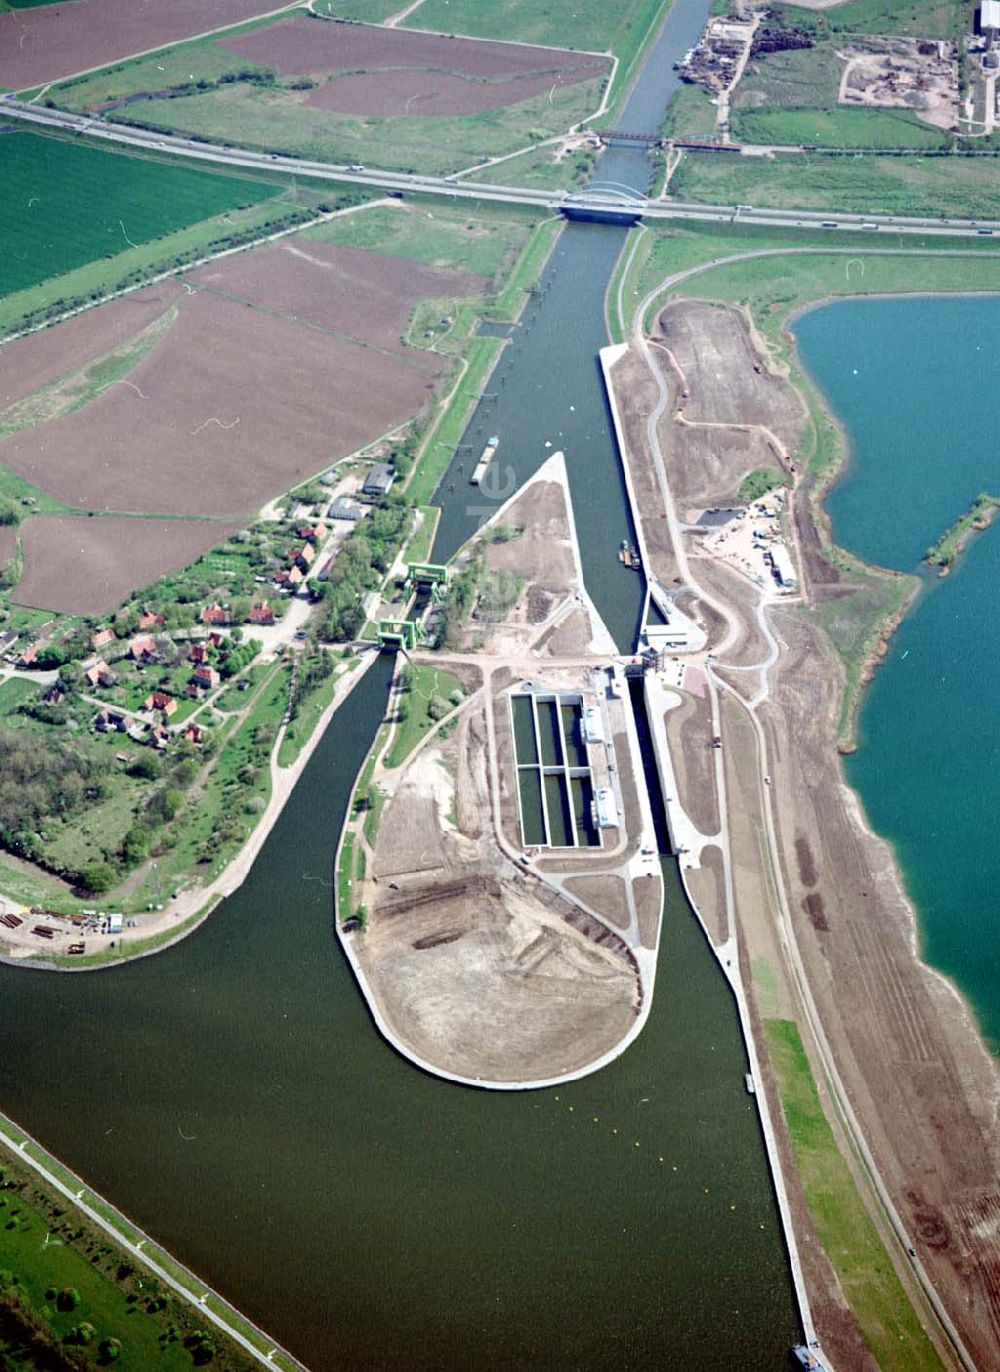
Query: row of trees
[[360, 566]]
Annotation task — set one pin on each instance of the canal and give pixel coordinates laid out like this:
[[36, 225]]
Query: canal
[[232, 1096]]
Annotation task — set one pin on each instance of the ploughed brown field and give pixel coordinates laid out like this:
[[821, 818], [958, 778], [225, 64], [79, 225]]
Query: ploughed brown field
[[41, 358], [338, 289], [52, 41], [79, 566], [236, 403], [390, 72]]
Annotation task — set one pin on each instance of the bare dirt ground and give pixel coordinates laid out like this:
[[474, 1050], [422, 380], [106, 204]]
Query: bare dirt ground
[[216, 399], [637, 395], [706, 886], [709, 463], [362, 295], [689, 733], [728, 586], [603, 893], [422, 94], [919, 1076], [80, 566], [51, 41], [301, 46], [31, 363], [476, 967], [903, 73], [729, 376]]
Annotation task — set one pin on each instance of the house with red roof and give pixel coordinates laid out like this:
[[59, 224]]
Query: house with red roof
[[143, 649], [99, 674], [160, 700], [261, 613], [101, 638], [215, 614], [149, 620]]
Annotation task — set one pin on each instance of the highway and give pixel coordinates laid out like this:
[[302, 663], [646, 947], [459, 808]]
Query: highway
[[595, 199]]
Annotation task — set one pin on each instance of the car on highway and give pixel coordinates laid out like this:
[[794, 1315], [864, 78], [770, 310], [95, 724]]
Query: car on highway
[[356, 167]]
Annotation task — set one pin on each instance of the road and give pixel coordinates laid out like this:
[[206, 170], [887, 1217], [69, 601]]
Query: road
[[456, 188]]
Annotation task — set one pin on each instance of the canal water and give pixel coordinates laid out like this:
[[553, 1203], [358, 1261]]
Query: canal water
[[233, 1097], [914, 382]]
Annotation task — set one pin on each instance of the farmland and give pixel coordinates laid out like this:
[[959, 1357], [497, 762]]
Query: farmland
[[416, 101], [46, 43], [236, 453], [66, 204], [110, 558], [887, 185]]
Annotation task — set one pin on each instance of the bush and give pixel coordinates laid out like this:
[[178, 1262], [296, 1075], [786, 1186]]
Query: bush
[[68, 1298], [97, 877]]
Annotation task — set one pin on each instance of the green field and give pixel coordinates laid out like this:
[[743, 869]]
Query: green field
[[369, 11], [690, 114], [841, 127], [874, 1292], [426, 683], [277, 119], [965, 187], [66, 204], [481, 241], [918, 18]]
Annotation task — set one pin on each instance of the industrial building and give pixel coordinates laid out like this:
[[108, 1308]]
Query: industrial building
[[784, 568], [379, 480]]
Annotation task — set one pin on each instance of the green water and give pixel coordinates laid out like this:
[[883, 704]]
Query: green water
[[915, 383], [233, 1097]]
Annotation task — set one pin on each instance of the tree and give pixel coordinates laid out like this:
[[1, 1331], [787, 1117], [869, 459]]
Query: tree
[[109, 1350], [98, 877], [68, 1298], [9, 512]]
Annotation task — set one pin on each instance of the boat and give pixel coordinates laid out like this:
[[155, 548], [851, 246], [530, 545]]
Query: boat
[[629, 556], [807, 1358], [750, 1084], [486, 457]]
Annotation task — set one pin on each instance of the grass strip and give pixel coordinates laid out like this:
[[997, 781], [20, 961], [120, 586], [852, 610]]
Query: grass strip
[[880, 1305]]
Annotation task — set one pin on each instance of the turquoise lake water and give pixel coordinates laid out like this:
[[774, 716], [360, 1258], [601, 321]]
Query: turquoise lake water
[[916, 385]]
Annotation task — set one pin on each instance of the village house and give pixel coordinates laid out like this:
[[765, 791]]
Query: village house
[[204, 678], [149, 620], [288, 580], [99, 674], [108, 721], [312, 533], [215, 614], [28, 655], [195, 734], [379, 480], [142, 650], [7, 641], [55, 695], [160, 700], [159, 736], [261, 613], [101, 638], [303, 557]]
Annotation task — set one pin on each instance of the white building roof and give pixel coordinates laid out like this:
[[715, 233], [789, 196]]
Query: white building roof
[[593, 725], [607, 810], [989, 14], [784, 566]]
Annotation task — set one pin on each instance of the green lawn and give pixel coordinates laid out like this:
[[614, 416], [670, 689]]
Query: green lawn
[[690, 114], [918, 18], [426, 683], [279, 120], [945, 186], [66, 204], [478, 240], [310, 708], [48, 1248], [369, 11], [444, 436], [840, 127], [873, 1290], [14, 693]]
